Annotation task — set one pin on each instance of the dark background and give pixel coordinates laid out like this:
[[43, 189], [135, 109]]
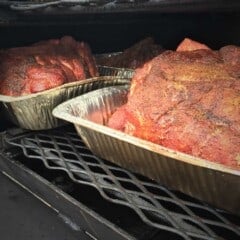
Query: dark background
[[114, 32]]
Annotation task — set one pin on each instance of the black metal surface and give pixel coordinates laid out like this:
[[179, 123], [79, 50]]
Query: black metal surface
[[109, 6], [165, 211], [82, 205], [30, 218]]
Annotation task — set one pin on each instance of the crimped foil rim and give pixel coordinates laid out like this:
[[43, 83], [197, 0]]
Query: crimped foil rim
[[5, 98], [116, 68]]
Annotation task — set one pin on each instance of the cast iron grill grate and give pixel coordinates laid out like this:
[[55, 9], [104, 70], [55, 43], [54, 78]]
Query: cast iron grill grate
[[157, 206]]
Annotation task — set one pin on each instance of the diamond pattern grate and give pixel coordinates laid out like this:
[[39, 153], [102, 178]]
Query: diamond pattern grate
[[157, 206]]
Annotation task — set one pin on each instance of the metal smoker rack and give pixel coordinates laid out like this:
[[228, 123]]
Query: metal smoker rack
[[139, 208]]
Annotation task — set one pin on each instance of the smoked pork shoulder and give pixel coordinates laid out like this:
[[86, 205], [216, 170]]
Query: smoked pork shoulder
[[45, 65], [187, 100]]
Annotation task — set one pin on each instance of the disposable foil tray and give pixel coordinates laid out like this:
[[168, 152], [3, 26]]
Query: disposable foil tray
[[213, 183], [34, 111], [114, 71]]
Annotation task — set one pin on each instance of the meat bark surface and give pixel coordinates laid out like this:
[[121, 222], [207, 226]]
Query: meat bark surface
[[45, 65], [134, 56], [187, 101]]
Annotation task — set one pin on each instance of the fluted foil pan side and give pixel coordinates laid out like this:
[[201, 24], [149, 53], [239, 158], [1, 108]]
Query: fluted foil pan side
[[34, 111], [114, 71], [213, 183]]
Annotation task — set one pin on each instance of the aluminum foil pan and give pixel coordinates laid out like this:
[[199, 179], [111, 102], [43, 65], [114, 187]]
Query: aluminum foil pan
[[113, 71], [34, 111], [210, 182]]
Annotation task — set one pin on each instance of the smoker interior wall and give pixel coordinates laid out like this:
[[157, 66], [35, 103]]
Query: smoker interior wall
[[114, 32]]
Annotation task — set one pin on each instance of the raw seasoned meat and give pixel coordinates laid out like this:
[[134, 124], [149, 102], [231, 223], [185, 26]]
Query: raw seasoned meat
[[188, 101], [45, 65], [134, 56]]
